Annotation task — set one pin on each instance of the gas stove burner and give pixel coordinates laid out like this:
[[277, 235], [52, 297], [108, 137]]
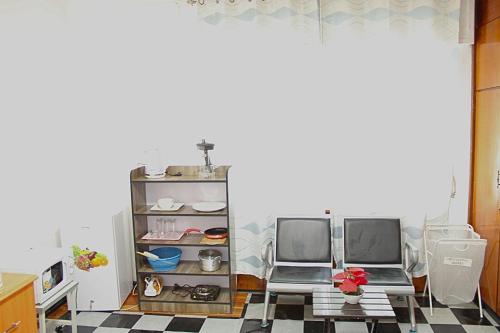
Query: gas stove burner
[[204, 292]]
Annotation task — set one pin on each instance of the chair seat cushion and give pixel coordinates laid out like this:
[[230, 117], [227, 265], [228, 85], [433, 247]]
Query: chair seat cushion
[[302, 275], [387, 277]]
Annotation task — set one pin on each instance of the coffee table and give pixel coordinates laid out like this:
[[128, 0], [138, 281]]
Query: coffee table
[[328, 303]]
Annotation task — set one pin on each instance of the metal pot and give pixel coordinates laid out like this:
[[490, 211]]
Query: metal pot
[[210, 260]]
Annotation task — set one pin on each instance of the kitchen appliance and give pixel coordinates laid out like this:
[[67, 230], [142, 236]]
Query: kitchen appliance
[[154, 286], [210, 260], [208, 169], [205, 292], [50, 265], [105, 285]]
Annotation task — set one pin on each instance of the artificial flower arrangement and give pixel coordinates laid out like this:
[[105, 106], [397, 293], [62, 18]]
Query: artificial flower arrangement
[[351, 280]]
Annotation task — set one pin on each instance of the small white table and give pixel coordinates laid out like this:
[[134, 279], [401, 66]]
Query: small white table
[[69, 291]]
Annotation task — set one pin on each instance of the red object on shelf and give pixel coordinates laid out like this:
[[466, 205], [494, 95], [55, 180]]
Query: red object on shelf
[[212, 233]]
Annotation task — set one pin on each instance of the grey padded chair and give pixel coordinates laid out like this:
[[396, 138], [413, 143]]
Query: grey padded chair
[[375, 243], [303, 252]]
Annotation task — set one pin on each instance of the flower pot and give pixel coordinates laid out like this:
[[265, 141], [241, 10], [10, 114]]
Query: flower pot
[[353, 299]]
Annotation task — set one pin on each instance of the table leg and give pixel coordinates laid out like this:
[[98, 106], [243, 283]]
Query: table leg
[[374, 325], [326, 325], [41, 321], [72, 301]]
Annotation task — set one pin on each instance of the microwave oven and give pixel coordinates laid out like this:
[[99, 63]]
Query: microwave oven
[[51, 266]]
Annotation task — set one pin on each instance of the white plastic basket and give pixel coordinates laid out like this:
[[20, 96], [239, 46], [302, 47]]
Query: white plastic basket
[[436, 233], [455, 267], [455, 258]]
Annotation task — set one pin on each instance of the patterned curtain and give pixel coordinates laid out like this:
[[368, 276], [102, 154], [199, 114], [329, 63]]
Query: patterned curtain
[[272, 20], [377, 18], [340, 19]]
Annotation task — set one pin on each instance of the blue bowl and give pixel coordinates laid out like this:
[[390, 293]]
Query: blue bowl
[[169, 259]]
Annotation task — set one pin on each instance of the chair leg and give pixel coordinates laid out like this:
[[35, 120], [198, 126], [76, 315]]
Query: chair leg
[[411, 310], [480, 302], [264, 322], [425, 288]]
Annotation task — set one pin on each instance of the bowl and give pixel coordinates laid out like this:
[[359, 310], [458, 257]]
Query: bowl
[[169, 259]]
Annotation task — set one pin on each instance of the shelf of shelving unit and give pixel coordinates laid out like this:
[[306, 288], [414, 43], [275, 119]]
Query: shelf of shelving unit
[[187, 268], [166, 301], [189, 175], [172, 303], [184, 211], [186, 240], [167, 296]]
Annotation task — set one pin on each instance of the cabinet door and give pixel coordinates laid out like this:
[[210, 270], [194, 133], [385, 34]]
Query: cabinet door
[[19, 309], [488, 55], [497, 106], [485, 211]]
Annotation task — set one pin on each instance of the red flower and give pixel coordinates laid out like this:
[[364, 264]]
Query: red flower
[[348, 286], [360, 281], [341, 276], [351, 279]]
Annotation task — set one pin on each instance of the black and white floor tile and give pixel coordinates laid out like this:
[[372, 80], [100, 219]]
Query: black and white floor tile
[[291, 314]]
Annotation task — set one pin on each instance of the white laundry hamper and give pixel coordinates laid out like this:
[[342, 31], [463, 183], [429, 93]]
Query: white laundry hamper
[[455, 259], [455, 268]]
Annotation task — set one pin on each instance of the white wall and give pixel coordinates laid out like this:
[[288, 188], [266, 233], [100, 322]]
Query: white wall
[[86, 86]]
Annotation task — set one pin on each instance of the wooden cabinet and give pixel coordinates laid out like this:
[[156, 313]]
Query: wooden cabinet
[[17, 304], [485, 214], [187, 188], [486, 194]]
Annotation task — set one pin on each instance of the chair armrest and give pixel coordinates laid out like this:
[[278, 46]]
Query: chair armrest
[[267, 255], [411, 256]]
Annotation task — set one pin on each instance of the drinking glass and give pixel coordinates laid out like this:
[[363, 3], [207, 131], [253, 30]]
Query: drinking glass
[[162, 227], [157, 228]]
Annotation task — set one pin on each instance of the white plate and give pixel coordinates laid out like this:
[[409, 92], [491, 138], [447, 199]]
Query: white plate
[[175, 207], [209, 206]]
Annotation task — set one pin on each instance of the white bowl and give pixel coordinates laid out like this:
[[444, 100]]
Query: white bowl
[[166, 203]]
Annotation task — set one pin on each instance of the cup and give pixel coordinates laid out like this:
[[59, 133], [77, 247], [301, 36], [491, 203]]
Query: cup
[[157, 230], [165, 203], [152, 163]]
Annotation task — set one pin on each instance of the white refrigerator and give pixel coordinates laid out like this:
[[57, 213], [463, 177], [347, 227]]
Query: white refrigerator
[[102, 254]]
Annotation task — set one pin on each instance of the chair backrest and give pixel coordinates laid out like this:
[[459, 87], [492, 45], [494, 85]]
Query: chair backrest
[[303, 241], [372, 242]]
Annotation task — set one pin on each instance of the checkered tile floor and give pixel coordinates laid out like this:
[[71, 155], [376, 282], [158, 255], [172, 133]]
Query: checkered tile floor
[[290, 314]]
